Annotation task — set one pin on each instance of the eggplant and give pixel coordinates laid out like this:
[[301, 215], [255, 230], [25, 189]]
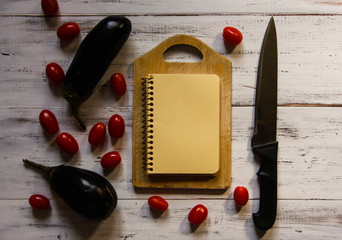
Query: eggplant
[[92, 59], [86, 192]]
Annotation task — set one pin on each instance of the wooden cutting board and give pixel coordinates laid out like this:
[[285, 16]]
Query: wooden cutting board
[[211, 63]]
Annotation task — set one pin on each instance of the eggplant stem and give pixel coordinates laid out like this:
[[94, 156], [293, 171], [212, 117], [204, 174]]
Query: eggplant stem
[[43, 168], [75, 113]]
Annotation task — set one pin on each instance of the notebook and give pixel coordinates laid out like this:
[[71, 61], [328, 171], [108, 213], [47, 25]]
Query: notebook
[[181, 124]]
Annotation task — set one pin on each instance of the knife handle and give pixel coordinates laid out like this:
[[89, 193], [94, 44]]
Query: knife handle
[[265, 217]]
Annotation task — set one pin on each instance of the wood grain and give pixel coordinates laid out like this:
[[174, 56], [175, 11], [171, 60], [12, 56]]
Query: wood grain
[[309, 146], [133, 219], [301, 41], [309, 118], [178, 7]]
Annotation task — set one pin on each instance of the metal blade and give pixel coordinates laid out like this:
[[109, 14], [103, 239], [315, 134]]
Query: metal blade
[[265, 121]]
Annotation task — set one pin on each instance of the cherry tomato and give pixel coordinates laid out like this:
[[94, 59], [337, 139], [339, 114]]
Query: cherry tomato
[[67, 143], [158, 203], [116, 126], [110, 160], [68, 31], [39, 201], [198, 214], [54, 73], [97, 134], [240, 196], [50, 7], [48, 122], [118, 84], [232, 36]]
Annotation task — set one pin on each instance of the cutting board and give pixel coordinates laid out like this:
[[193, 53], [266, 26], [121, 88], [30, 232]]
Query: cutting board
[[211, 63]]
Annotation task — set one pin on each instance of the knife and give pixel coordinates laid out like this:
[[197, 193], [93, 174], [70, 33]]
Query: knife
[[264, 143]]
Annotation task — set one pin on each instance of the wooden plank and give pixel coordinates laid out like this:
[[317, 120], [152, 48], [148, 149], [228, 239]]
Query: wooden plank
[[309, 146], [133, 7], [132, 219], [302, 78]]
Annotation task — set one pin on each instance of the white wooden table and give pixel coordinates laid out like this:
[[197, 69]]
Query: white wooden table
[[309, 118]]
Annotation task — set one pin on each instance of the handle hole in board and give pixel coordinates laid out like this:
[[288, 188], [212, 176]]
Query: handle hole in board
[[182, 53]]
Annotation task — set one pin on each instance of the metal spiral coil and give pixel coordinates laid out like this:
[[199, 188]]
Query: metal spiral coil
[[147, 128]]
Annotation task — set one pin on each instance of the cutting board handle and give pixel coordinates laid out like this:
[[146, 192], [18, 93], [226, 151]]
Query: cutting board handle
[[182, 39]]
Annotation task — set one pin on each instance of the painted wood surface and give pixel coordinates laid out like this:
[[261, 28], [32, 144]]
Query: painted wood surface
[[309, 118]]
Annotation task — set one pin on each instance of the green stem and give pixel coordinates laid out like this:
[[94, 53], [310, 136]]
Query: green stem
[[43, 168], [75, 113]]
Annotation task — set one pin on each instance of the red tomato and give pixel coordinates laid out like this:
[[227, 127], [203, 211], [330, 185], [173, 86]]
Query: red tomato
[[97, 134], [68, 31], [48, 122], [39, 201], [232, 36], [118, 84], [240, 196], [116, 126], [50, 7], [158, 203], [110, 160], [54, 73], [198, 214], [67, 143]]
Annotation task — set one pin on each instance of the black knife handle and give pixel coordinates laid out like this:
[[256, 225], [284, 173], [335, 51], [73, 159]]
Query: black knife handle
[[265, 217]]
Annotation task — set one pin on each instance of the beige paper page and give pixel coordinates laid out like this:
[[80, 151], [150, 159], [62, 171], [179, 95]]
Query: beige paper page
[[186, 124]]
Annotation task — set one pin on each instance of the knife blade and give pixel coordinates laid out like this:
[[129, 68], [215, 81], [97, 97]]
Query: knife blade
[[264, 143]]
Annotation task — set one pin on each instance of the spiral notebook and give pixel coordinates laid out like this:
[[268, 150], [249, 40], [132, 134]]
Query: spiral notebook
[[182, 124]]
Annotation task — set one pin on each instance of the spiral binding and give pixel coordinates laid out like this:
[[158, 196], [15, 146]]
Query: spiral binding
[[147, 133]]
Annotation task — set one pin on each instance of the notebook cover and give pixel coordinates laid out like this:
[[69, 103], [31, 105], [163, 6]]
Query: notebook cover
[[182, 123]]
